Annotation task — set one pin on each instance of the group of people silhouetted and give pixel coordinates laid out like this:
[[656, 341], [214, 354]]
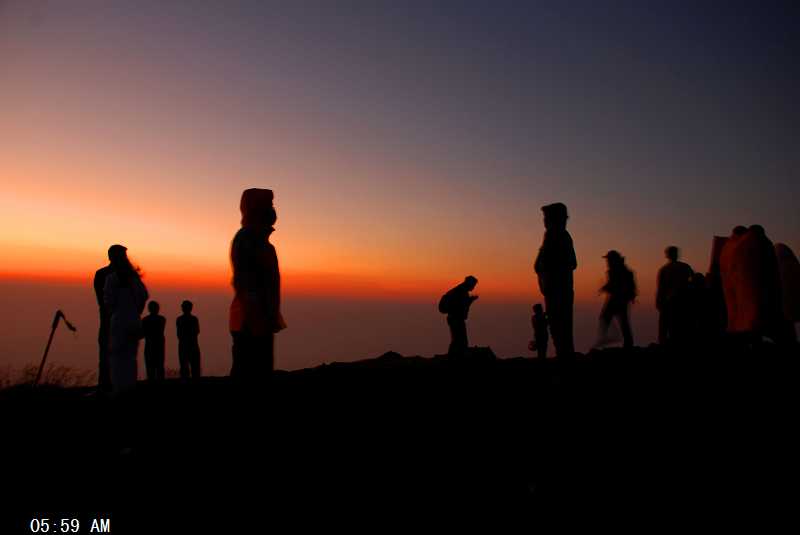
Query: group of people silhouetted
[[121, 297], [752, 287]]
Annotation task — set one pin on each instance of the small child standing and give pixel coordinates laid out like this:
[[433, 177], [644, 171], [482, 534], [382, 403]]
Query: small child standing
[[540, 336], [153, 330]]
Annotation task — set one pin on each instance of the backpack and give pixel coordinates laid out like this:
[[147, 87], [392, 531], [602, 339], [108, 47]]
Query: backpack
[[446, 302]]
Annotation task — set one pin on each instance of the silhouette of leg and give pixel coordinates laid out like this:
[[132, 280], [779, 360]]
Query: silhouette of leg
[[623, 316], [238, 354], [183, 360], [559, 310], [604, 322], [458, 337], [103, 369], [253, 356], [195, 363], [663, 326]]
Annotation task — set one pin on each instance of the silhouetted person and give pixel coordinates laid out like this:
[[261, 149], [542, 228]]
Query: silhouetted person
[[620, 290], [540, 335], [673, 280], [255, 314], [188, 327], [554, 266], [124, 296], [103, 339], [456, 303], [752, 286], [153, 326]]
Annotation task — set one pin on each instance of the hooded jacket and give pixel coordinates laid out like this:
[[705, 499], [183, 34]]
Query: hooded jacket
[[256, 276]]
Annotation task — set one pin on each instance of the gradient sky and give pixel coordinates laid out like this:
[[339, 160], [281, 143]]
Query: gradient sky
[[408, 143]]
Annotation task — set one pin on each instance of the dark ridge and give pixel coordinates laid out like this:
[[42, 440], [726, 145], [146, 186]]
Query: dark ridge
[[614, 437]]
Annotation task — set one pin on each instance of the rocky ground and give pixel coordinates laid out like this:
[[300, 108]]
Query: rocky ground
[[640, 439]]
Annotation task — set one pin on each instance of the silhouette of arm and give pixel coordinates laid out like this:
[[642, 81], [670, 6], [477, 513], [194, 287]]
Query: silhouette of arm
[[110, 292], [99, 283]]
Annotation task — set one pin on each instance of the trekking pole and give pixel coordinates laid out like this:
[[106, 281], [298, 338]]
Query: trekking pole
[[59, 315]]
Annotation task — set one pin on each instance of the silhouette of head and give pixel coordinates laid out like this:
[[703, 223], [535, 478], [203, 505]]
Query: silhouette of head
[[555, 216], [116, 252], [153, 307], [698, 280], [757, 229], [187, 307], [671, 252], [614, 258], [470, 282], [122, 265], [739, 230], [257, 209], [537, 309]]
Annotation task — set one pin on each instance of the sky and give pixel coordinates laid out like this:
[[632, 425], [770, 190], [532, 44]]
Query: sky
[[408, 143]]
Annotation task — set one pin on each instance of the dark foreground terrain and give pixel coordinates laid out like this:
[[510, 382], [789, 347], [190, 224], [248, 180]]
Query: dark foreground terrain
[[640, 440]]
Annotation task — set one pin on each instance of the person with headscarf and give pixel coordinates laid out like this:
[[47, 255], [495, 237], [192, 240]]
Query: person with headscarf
[[554, 266], [620, 290], [124, 296], [752, 284], [255, 314]]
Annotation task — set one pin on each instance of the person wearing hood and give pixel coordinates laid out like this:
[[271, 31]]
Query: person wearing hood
[[255, 314], [554, 266]]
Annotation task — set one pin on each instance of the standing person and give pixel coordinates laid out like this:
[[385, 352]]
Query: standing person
[[103, 339], [554, 266], [620, 290], [672, 284], [188, 327], [455, 303], [124, 296], [540, 337], [255, 314], [153, 329]]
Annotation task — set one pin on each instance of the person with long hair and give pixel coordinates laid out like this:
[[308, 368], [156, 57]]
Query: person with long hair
[[124, 296]]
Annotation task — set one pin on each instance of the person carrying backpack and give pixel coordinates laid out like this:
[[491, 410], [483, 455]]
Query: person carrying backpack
[[620, 291], [455, 303]]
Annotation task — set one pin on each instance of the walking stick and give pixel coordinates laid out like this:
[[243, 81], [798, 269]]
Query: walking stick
[[59, 315]]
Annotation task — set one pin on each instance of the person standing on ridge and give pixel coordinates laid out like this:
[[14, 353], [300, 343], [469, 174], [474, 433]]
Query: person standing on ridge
[[554, 266], [255, 314], [455, 303], [673, 282], [620, 290], [103, 335], [124, 296], [153, 330], [188, 329]]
